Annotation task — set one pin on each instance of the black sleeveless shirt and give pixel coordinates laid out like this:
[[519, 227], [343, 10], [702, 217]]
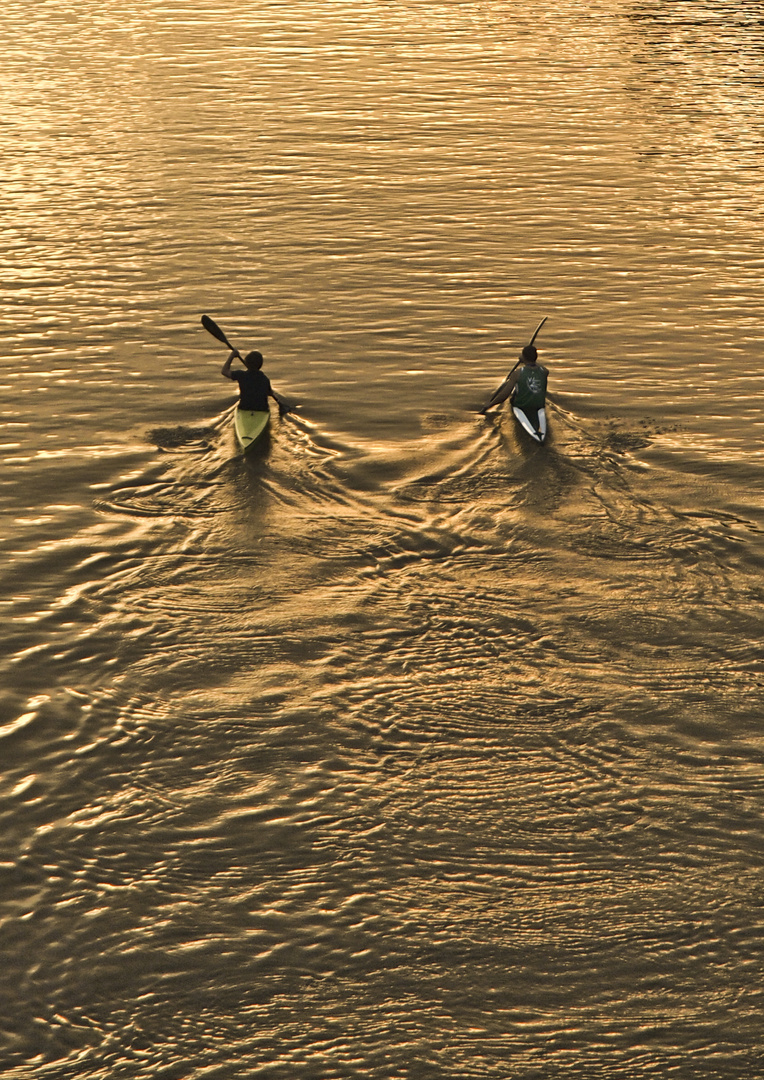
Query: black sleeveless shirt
[[254, 388]]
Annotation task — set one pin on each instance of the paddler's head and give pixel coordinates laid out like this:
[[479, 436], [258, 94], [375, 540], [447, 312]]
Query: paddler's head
[[529, 354], [253, 360]]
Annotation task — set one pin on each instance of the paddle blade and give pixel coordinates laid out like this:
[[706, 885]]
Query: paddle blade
[[212, 328], [501, 394]]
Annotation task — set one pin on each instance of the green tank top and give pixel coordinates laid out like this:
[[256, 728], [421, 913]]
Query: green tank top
[[530, 392]]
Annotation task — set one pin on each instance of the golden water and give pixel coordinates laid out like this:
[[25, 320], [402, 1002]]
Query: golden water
[[403, 748]]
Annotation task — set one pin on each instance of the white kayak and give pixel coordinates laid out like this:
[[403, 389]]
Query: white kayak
[[537, 429]]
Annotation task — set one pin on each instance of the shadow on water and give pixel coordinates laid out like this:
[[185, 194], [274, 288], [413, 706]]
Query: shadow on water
[[183, 439]]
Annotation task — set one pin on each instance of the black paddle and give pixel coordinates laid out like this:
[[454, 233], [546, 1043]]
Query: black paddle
[[212, 327], [500, 388]]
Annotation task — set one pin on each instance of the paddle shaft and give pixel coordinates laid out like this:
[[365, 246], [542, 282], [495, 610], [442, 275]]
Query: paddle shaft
[[535, 335]]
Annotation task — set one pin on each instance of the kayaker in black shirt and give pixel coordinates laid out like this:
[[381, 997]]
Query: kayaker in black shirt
[[254, 385]]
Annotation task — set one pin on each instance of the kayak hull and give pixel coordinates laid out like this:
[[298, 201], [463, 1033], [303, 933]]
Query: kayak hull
[[534, 425], [249, 427]]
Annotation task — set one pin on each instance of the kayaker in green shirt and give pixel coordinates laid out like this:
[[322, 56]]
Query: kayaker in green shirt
[[525, 384]]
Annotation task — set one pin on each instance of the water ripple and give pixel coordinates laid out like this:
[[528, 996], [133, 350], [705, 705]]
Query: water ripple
[[402, 747]]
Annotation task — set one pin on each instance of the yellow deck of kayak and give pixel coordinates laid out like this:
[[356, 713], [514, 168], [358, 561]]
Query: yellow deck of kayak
[[249, 426]]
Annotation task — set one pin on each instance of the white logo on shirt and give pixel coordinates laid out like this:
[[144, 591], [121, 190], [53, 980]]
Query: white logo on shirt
[[534, 382]]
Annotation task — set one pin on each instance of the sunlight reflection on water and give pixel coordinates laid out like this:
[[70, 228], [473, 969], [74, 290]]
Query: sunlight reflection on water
[[402, 746]]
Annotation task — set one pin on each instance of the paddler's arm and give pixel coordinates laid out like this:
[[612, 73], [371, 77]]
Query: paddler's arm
[[504, 390], [226, 368]]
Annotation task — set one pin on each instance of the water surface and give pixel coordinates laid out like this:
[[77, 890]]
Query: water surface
[[403, 747]]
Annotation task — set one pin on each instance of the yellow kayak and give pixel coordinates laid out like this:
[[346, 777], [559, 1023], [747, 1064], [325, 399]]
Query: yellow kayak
[[249, 426]]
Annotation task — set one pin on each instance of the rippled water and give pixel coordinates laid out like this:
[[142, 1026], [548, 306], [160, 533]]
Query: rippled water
[[402, 748]]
